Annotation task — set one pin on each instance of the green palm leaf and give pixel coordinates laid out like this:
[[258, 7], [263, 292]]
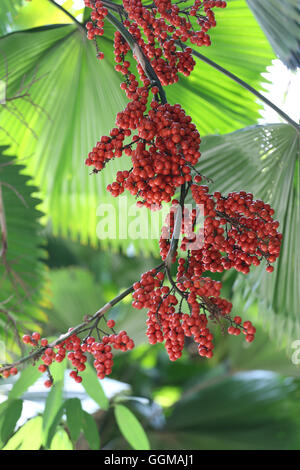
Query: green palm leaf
[[252, 410], [215, 102], [76, 93], [21, 269], [280, 20], [75, 293]]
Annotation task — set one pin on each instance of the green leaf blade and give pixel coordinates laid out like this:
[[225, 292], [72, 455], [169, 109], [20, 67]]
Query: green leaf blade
[[280, 20], [22, 273], [28, 437], [9, 420], [131, 428], [61, 441], [90, 431], [27, 378], [93, 387], [74, 417], [54, 399]]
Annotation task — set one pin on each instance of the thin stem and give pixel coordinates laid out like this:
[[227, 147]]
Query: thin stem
[[113, 6], [124, 32], [136, 49], [77, 329], [138, 53], [173, 284], [68, 14], [12, 321], [3, 227], [177, 227], [246, 86], [17, 97]]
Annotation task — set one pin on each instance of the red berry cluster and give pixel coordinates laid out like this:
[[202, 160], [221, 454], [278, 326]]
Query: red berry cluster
[[162, 152], [159, 28], [248, 329], [95, 27], [34, 339], [74, 349], [161, 161], [165, 324], [12, 371], [238, 231], [164, 23], [166, 143], [166, 147]]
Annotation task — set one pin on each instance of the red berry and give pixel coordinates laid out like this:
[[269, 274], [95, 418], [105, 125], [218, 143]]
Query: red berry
[[250, 338], [36, 336], [111, 323], [26, 339]]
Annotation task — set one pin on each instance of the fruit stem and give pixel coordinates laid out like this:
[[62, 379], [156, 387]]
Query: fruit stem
[[77, 329], [80, 25], [138, 54], [246, 86]]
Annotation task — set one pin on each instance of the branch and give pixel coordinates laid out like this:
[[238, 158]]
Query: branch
[[19, 195], [173, 284], [3, 228], [14, 111], [77, 329], [129, 39], [177, 228], [80, 26], [12, 321], [244, 85], [113, 6], [138, 54], [22, 94], [9, 135], [17, 97]]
